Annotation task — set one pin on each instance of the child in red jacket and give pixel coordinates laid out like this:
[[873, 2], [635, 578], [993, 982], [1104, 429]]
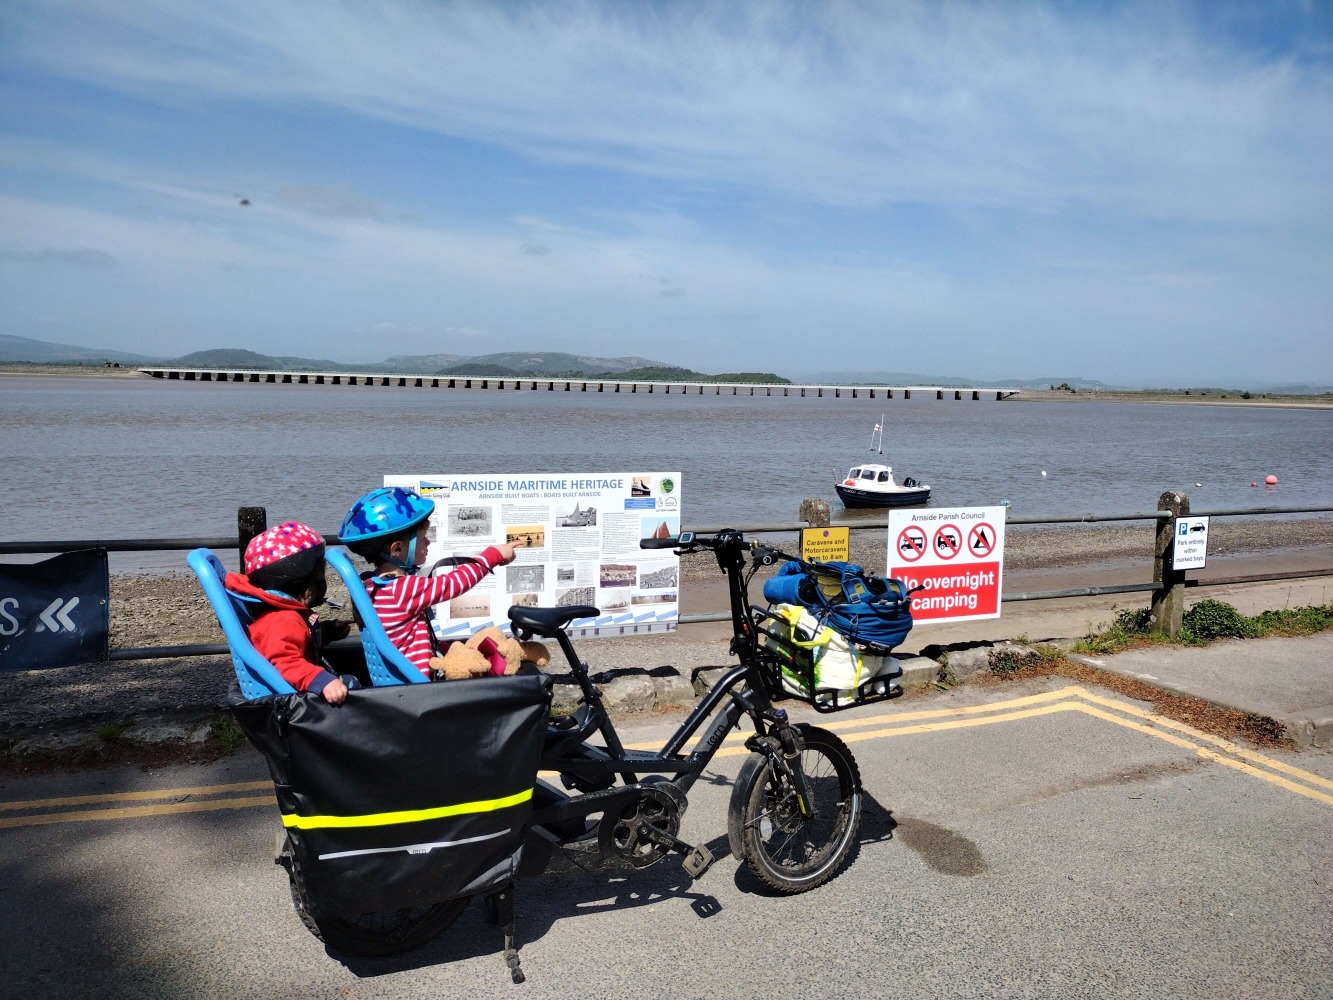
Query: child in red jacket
[[284, 582]]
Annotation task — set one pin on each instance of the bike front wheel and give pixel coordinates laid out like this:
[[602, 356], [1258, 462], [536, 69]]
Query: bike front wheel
[[789, 851]]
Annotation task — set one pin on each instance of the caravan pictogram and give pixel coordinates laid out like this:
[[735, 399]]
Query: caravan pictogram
[[948, 541], [911, 543]]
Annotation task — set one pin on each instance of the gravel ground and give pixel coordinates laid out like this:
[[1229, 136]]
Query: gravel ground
[[168, 609]]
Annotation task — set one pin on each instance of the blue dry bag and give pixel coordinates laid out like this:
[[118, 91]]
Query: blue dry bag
[[867, 609]]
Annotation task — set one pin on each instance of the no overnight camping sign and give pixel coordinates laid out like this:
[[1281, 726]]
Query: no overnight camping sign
[[955, 555]]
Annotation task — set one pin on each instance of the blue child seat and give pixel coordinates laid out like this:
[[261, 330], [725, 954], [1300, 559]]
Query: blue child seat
[[258, 678], [384, 661]]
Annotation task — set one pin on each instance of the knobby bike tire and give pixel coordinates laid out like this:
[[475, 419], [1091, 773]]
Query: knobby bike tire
[[786, 852]]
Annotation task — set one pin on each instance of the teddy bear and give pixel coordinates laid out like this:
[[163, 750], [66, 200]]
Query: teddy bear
[[489, 651]]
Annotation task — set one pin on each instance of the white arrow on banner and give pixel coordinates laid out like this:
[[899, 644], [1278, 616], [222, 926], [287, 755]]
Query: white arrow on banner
[[56, 618]]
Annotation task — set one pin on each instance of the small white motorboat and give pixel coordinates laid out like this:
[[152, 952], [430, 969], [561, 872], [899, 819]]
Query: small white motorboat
[[872, 485]]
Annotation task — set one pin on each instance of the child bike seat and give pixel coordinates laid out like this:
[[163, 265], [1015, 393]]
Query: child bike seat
[[257, 677], [384, 661]]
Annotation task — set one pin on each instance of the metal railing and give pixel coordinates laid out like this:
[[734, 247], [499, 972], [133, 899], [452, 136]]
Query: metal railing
[[250, 522]]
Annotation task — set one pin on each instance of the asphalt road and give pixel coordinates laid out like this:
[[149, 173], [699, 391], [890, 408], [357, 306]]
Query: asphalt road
[[1023, 840]]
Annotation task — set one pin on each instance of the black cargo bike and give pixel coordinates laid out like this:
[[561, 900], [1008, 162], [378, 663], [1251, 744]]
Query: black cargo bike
[[406, 802]]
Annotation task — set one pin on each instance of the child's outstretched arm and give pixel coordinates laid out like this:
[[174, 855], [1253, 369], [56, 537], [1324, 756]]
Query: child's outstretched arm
[[414, 594]]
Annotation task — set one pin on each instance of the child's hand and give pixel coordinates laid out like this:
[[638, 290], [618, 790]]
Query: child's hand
[[506, 553], [335, 691]]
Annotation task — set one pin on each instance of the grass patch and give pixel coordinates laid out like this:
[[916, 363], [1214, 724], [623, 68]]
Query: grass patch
[[1005, 661], [227, 733], [1295, 621], [110, 732], [1210, 619], [1203, 623]]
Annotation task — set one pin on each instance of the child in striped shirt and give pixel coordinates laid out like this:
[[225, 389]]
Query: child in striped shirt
[[389, 528]]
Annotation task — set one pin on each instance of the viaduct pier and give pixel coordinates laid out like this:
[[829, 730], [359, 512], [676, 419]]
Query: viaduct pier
[[539, 384]]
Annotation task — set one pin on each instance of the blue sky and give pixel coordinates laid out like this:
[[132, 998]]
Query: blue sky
[[1126, 192]]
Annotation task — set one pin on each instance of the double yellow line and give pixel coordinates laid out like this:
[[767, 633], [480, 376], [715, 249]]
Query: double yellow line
[[251, 794], [1077, 699]]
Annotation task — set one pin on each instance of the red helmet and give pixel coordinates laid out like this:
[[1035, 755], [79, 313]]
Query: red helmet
[[287, 553]]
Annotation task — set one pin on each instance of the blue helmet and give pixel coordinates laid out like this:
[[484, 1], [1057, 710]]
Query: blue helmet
[[384, 513]]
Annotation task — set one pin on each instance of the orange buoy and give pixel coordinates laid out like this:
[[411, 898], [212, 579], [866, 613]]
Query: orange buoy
[[1254, 484], [1271, 480]]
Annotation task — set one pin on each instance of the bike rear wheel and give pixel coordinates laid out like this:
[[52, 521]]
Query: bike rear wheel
[[789, 852], [374, 934]]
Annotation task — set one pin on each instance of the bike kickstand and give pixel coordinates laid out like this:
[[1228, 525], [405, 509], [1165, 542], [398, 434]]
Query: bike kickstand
[[502, 906]]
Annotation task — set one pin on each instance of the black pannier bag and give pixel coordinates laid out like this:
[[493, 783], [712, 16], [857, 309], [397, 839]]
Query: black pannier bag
[[403, 796]]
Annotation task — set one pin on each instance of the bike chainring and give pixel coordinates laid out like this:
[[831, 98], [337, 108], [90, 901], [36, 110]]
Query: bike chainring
[[659, 805]]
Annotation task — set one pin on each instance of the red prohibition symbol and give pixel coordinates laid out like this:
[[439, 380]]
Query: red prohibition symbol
[[911, 543], [948, 540], [981, 540]]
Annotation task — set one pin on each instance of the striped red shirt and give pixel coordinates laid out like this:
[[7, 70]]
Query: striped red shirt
[[403, 602]]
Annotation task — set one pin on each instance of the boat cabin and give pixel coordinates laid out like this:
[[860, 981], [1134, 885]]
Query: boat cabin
[[871, 473]]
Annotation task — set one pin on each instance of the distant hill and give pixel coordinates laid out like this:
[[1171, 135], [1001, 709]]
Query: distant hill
[[533, 363], [23, 349], [649, 373], [231, 357]]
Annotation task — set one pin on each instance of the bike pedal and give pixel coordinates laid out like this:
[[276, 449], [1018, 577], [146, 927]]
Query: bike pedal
[[697, 862]]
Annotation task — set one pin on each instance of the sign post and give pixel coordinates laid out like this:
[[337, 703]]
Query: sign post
[[956, 555], [54, 613]]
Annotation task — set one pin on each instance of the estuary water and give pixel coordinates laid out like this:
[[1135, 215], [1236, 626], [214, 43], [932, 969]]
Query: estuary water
[[124, 457]]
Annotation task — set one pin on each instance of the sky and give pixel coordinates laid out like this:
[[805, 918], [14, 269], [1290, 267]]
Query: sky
[[1119, 191]]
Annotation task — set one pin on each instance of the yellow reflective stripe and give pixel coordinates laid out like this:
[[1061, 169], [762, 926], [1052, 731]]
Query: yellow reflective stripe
[[406, 815]]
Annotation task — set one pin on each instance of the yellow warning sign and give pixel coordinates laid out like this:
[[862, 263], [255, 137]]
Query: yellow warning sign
[[825, 544]]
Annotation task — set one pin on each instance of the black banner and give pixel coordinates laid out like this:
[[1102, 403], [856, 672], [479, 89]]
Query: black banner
[[54, 613]]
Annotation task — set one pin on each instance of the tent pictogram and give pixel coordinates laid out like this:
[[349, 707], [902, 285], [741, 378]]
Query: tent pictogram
[[981, 540]]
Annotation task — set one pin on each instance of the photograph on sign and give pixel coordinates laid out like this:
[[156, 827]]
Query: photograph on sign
[[1189, 549], [956, 557], [576, 541]]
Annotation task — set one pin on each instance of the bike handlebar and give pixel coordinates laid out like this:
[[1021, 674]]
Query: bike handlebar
[[658, 543]]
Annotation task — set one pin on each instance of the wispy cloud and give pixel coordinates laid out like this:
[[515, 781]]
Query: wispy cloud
[[332, 201], [1049, 181], [79, 257], [1129, 108]]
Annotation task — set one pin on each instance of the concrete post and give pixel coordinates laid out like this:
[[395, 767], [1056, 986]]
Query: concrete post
[[1168, 604], [250, 521], [815, 513]]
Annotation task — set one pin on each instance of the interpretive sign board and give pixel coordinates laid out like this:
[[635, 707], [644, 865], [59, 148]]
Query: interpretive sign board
[[826, 544], [54, 613], [1190, 550], [956, 554], [576, 538]]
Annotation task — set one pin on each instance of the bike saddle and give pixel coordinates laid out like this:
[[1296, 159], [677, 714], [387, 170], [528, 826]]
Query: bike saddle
[[548, 621]]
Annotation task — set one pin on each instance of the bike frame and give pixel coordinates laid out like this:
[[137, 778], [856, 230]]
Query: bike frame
[[741, 691]]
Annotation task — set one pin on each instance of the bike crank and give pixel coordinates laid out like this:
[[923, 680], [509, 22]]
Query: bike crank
[[645, 831]]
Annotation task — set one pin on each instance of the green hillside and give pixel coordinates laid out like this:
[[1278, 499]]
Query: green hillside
[[651, 373]]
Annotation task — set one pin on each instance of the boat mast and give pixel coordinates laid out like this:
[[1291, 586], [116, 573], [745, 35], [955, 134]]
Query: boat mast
[[879, 430]]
